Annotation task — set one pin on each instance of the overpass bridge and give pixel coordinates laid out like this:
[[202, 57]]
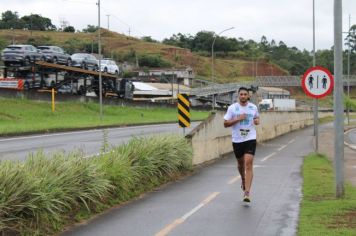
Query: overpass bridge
[[292, 81], [225, 94]]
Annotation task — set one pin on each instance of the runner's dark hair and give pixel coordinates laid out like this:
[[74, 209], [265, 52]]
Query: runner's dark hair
[[242, 88]]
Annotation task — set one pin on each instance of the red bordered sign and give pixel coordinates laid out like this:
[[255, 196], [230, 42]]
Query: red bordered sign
[[317, 82]]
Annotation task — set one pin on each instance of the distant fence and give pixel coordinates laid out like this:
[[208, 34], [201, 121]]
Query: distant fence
[[44, 96], [292, 81]]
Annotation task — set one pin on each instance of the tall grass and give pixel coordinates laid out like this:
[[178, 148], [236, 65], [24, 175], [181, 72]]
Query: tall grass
[[42, 194], [36, 194]]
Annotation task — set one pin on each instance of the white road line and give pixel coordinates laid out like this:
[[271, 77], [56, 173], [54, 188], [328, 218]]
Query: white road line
[[267, 157], [281, 148], [291, 141], [79, 132], [353, 147], [233, 180], [180, 220]]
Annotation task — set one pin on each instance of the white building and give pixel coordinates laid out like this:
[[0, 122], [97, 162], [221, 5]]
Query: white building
[[182, 75]]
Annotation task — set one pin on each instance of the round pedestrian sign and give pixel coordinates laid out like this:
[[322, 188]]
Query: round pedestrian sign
[[317, 82]]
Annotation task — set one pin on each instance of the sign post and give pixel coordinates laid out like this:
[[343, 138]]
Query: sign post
[[183, 111], [317, 82]]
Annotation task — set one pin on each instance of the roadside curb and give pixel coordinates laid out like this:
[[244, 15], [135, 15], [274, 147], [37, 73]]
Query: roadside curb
[[352, 146]]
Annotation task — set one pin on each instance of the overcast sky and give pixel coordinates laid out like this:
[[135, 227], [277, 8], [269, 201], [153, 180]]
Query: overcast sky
[[289, 21]]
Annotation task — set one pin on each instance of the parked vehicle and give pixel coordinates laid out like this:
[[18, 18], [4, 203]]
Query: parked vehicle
[[55, 55], [109, 66], [70, 88], [277, 104], [30, 80], [20, 55], [85, 61]]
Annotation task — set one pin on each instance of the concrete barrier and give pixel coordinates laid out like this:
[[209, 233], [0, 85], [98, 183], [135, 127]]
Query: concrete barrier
[[210, 140]]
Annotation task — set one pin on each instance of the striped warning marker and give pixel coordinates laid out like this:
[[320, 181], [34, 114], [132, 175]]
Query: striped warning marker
[[183, 110]]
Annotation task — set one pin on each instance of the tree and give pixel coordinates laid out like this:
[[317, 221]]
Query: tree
[[203, 41], [180, 40], [10, 20], [90, 29], [149, 39], [69, 29], [37, 22]]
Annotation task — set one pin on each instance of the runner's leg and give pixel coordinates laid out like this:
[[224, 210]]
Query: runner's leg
[[241, 169], [248, 159]]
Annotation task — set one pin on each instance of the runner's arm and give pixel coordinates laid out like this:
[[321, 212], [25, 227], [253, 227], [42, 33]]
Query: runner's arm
[[229, 123], [256, 120]]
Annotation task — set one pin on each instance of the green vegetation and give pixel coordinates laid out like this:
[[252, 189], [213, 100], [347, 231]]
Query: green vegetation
[[11, 19], [321, 213], [273, 58], [42, 195], [19, 116], [295, 61]]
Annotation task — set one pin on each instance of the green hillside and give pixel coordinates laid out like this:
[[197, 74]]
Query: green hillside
[[125, 48]]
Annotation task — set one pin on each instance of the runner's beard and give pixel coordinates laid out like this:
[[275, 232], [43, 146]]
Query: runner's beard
[[243, 101]]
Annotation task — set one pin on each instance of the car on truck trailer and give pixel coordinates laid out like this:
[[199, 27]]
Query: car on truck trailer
[[109, 66], [55, 55], [85, 61], [20, 55]]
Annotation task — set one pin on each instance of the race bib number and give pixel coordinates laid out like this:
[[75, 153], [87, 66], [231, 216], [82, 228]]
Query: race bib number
[[244, 132]]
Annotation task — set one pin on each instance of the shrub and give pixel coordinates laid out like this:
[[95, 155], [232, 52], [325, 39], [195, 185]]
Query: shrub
[[152, 61], [36, 194], [40, 195]]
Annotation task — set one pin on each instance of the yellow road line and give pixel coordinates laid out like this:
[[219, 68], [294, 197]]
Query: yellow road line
[[180, 220]]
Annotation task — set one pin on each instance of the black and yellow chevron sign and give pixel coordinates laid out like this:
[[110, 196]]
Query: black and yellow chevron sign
[[183, 110]]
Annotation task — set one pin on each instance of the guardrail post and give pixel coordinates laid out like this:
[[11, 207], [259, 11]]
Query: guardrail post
[[53, 104]]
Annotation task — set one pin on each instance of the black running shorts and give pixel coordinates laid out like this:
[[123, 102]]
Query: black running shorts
[[247, 147]]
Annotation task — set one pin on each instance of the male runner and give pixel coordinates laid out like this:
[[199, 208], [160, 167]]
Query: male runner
[[242, 116]]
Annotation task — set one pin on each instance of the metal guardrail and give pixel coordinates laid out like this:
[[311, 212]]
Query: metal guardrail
[[218, 89], [292, 81], [261, 81]]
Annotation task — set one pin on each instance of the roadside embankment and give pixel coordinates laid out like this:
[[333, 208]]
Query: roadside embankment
[[210, 140]]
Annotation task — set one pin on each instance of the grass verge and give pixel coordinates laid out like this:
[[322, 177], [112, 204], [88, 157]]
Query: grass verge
[[321, 213], [42, 195], [23, 116]]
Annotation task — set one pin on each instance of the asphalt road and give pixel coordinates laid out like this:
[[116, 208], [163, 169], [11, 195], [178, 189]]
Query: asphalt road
[[352, 136], [210, 201], [90, 141]]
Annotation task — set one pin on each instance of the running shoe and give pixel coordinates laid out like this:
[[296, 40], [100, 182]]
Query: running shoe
[[247, 197]]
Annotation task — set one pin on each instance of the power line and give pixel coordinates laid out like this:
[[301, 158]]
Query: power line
[[83, 2], [123, 22]]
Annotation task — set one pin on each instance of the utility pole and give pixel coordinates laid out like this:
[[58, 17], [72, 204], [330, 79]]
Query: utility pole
[[100, 79], [316, 105], [129, 31], [348, 73], [338, 102], [13, 36], [108, 21], [31, 24]]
